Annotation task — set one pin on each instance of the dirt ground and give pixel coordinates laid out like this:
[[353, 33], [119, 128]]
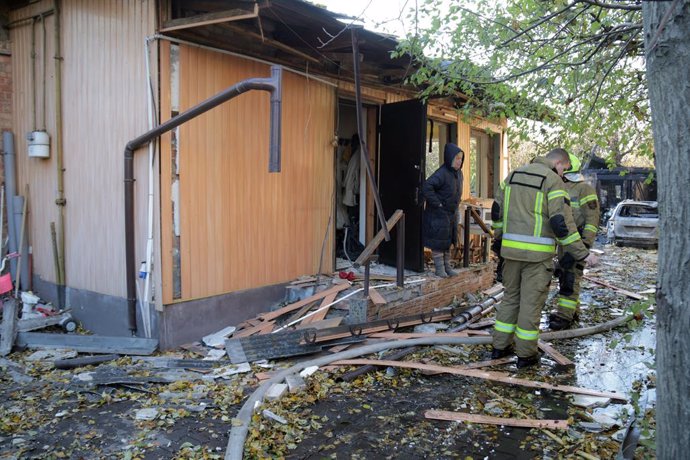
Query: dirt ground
[[96, 412]]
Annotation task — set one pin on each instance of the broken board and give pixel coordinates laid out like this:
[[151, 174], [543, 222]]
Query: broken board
[[486, 375], [278, 345], [9, 326], [487, 419], [88, 343]]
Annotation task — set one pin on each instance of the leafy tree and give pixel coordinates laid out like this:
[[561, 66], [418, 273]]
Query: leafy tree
[[576, 65]]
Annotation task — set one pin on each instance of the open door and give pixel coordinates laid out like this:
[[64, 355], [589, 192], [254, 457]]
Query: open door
[[401, 172]]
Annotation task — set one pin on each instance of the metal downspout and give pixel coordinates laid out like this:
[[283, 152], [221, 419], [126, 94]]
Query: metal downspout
[[60, 200], [272, 85]]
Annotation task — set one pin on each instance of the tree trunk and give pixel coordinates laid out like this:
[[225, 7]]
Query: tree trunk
[[668, 77]]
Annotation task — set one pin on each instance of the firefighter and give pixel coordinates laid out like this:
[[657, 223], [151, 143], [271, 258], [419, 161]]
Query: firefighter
[[534, 217], [585, 206]]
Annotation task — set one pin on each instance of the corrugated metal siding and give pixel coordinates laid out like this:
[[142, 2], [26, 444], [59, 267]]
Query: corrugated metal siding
[[104, 106], [242, 227]]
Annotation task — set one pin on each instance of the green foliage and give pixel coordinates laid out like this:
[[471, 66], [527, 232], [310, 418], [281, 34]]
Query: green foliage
[[566, 73]]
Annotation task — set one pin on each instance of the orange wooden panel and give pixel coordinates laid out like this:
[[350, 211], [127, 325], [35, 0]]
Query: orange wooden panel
[[241, 226]]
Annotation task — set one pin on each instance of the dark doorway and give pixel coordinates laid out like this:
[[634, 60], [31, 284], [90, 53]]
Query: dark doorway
[[401, 173]]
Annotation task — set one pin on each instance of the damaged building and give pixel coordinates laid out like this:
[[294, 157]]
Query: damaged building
[[201, 228]]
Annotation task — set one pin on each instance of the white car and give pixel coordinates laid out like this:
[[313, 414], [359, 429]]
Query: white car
[[634, 223]]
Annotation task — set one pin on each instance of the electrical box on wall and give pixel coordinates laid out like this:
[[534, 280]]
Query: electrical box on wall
[[39, 144]]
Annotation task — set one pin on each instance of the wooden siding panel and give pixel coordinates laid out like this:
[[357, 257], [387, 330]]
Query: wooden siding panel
[[241, 226], [104, 106]]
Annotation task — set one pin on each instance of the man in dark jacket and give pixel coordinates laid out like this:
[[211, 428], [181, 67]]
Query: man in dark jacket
[[442, 192]]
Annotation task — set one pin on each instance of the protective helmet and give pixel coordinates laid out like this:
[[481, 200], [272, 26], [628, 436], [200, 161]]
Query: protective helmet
[[574, 164], [573, 174]]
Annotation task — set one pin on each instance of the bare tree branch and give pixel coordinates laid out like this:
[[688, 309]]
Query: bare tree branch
[[540, 22], [614, 6]]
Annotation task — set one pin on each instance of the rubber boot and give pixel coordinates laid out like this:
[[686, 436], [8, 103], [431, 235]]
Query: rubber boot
[[558, 323], [438, 265], [446, 264]]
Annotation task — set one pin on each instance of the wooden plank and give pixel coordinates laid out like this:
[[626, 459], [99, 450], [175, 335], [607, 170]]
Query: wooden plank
[[489, 363], [376, 297], [486, 375], [301, 312], [235, 14], [375, 241], [322, 324], [554, 354], [625, 292], [263, 328], [88, 343], [9, 326], [31, 324], [480, 222], [321, 315], [489, 420], [294, 306]]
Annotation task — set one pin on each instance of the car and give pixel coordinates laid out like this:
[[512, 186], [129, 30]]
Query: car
[[634, 223]]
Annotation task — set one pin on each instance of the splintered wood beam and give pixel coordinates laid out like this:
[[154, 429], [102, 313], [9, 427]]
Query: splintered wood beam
[[554, 354], [235, 14], [477, 218], [486, 375], [632, 295], [297, 305], [324, 307], [274, 43], [376, 297], [374, 243], [489, 420]]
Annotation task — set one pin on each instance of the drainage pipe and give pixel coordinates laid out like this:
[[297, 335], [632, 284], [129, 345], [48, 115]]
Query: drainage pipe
[[144, 302], [10, 192], [238, 433], [59, 164], [272, 85]]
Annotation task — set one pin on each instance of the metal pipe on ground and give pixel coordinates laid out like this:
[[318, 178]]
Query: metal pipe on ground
[[272, 85], [465, 318], [238, 433]]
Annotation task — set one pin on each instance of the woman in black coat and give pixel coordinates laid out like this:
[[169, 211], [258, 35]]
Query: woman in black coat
[[442, 192]]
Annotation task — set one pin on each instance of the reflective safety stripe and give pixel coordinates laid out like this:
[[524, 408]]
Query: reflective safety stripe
[[538, 203], [497, 224], [559, 193], [574, 203], [534, 247], [526, 335], [567, 303], [587, 199], [529, 239], [592, 228], [504, 327], [573, 237], [503, 185], [506, 201]]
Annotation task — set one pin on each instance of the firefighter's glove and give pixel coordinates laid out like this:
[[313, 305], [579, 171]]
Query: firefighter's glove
[[567, 283], [496, 246], [567, 261]]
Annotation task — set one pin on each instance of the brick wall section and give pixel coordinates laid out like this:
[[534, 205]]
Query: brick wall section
[[433, 293]]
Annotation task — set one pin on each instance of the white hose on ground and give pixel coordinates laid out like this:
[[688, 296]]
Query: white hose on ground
[[238, 433]]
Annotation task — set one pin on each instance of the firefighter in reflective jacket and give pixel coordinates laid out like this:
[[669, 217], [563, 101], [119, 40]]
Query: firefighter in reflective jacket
[[533, 217], [585, 206]]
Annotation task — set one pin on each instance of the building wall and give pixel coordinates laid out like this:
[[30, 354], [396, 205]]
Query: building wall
[[104, 104], [239, 225]]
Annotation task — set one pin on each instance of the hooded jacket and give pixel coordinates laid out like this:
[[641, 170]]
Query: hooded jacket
[[441, 193]]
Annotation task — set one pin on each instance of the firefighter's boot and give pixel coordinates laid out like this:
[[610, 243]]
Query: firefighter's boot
[[440, 270], [446, 264]]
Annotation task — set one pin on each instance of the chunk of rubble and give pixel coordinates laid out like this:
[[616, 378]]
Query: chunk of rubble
[[276, 391], [50, 355], [307, 371], [270, 415], [149, 413], [590, 401], [217, 339]]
